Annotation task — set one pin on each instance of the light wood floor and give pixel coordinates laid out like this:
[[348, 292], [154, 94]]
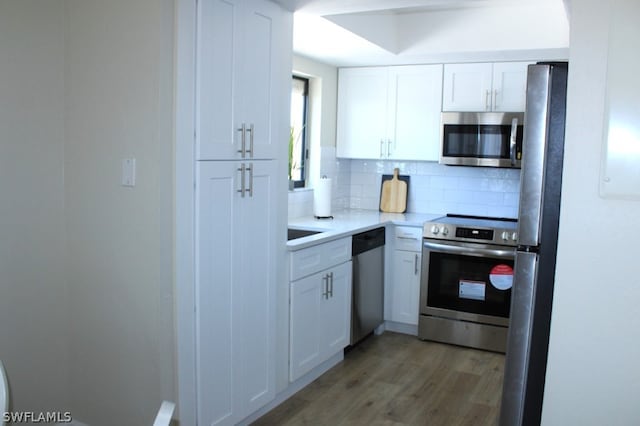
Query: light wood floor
[[395, 379]]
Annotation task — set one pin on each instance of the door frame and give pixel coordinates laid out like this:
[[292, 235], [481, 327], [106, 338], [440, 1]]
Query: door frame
[[184, 255]]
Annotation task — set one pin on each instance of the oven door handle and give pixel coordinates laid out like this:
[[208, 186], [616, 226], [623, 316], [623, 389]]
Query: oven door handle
[[469, 251]]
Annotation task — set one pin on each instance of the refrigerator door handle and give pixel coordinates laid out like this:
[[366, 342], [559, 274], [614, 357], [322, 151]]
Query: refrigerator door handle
[[533, 156], [518, 343]]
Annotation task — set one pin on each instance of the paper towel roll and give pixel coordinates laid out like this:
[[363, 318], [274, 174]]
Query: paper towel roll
[[322, 198]]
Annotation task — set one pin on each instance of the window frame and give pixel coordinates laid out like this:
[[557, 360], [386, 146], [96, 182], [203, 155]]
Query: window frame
[[304, 151]]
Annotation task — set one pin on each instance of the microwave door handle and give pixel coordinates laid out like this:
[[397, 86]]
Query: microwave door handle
[[512, 146]]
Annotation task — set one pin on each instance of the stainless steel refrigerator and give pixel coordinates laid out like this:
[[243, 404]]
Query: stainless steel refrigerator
[[535, 263]]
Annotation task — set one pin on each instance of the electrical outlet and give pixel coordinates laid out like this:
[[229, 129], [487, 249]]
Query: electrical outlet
[[129, 172]]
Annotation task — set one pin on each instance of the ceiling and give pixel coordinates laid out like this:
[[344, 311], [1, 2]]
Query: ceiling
[[385, 32]]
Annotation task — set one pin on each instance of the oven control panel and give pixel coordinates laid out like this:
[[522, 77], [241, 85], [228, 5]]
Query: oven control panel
[[506, 234]]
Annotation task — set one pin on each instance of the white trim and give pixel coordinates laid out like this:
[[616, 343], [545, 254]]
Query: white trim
[[184, 209]]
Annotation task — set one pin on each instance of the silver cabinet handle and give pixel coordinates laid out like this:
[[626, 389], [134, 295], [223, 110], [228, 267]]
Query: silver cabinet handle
[[402, 237], [388, 148], [487, 106], [495, 100], [381, 148], [251, 132], [242, 182], [415, 265], [243, 139], [325, 286], [330, 284]]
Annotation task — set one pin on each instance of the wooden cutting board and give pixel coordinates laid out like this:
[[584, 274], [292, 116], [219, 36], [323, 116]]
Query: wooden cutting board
[[393, 193]]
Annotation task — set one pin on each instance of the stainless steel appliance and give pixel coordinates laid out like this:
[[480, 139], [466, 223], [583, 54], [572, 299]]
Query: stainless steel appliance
[[538, 220], [367, 309], [489, 139], [467, 275]]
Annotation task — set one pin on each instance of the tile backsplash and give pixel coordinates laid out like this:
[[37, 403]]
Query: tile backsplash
[[433, 188]]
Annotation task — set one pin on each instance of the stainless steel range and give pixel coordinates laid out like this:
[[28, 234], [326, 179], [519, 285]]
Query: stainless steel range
[[467, 275]]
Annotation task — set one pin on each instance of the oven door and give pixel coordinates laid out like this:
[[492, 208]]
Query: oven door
[[467, 281]]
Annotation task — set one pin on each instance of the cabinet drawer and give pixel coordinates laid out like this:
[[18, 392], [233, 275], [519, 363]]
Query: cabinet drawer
[[408, 238], [313, 259]]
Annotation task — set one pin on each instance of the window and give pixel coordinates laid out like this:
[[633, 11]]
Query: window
[[298, 151]]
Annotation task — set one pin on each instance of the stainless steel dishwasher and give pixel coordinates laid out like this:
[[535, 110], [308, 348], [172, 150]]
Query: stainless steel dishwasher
[[367, 309]]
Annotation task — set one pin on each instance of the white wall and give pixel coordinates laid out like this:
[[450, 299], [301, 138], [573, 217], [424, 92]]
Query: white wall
[[33, 300], [324, 83], [593, 376], [118, 89]]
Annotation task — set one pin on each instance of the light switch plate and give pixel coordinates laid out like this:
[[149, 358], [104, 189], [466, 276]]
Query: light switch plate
[[129, 172]]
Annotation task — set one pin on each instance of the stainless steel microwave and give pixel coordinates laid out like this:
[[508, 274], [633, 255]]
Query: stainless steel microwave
[[486, 139]]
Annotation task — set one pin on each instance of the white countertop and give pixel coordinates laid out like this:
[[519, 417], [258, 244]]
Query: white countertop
[[349, 222]]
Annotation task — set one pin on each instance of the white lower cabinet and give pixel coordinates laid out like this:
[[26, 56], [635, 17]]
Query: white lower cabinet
[[320, 320], [406, 286], [235, 289], [403, 293]]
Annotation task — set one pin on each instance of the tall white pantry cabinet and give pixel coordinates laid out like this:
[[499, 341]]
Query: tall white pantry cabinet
[[242, 74]]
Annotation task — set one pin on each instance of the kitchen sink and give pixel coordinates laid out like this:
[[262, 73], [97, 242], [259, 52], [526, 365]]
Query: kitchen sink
[[292, 234]]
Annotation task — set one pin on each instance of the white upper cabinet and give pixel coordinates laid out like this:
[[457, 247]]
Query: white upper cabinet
[[362, 112], [389, 112], [510, 86], [417, 92], [238, 47], [485, 87], [467, 87]]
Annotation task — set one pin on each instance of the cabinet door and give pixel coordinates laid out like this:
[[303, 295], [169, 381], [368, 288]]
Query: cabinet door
[[467, 87], [305, 324], [255, 285], [336, 311], [238, 78], [405, 286], [362, 113], [217, 262], [217, 77], [259, 87], [509, 86], [320, 321], [235, 291], [417, 100]]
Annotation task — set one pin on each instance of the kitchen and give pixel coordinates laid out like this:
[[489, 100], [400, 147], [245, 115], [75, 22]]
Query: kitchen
[[134, 372], [468, 186]]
